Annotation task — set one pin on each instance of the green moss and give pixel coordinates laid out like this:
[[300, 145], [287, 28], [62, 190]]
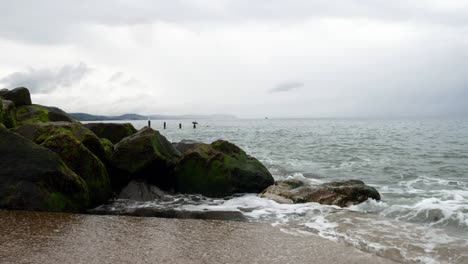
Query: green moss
[[84, 163], [195, 175], [220, 169], [227, 147], [56, 202], [32, 114], [108, 147], [7, 118], [73, 129]]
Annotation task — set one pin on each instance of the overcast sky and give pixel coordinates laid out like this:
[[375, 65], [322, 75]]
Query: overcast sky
[[277, 58]]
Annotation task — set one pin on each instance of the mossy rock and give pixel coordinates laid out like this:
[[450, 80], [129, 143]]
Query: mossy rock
[[7, 113], [84, 163], [81, 150], [114, 132], [41, 114], [108, 148], [33, 177], [220, 169], [40, 132], [145, 155], [20, 96]]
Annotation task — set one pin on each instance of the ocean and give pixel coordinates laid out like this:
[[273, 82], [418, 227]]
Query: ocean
[[420, 167]]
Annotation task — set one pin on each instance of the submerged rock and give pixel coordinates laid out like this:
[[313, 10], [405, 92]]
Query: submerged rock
[[220, 169], [145, 211], [145, 155], [139, 198], [33, 177], [340, 193], [114, 132], [20, 96]]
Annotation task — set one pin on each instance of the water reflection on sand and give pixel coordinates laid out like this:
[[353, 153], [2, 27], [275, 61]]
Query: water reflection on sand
[[31, 237]]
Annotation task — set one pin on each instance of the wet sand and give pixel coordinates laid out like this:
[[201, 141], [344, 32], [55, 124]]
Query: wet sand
[[31, 237]]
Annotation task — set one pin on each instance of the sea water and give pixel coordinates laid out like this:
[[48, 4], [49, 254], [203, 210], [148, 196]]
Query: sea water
[[420, 167]]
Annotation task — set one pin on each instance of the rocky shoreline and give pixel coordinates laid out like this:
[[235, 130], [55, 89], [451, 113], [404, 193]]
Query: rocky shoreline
[[51, 162]]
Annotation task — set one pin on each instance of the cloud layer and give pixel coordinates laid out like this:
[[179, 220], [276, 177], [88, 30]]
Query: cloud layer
[[46, 80], [344, 58], [286, 86]]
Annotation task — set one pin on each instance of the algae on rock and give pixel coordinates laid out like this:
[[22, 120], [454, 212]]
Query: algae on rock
[[40, 114], [84, 163], [33, 177], [145, 155], [220, 169], [114, 132]]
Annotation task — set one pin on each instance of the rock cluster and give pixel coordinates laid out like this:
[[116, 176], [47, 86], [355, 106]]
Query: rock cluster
[[51, 162]]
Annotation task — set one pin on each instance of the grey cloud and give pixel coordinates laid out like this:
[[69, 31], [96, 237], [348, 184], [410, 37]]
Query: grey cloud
[[45, 80], [51, 21], [131, 82], [116, 77], [286, 86]]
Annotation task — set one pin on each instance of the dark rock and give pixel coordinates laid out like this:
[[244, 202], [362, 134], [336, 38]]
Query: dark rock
[[58, 117], [145, 155], [220, 169], [20, 96], [146, 211], [141, 191], [84, 163], [114, 132], [341, 193], [33, 177], [39, 132]]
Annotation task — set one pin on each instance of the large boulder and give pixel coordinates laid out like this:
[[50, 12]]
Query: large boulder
[[219, 169], [20, 96], [114, 132], [79, 148], [340, 193], [33, 177], [7, 113], [40, 132], [145, 155], [40, 114], [84, 163]]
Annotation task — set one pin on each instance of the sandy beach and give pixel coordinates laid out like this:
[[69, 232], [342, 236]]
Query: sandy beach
[[32, 237]]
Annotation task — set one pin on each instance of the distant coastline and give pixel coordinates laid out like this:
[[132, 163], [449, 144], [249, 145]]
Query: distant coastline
[[91, 117]]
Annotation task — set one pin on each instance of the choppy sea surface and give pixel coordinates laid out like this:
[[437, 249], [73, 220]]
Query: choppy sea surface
[[420, 167]]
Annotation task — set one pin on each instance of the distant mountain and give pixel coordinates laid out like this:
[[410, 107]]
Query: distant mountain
[[89, 117]]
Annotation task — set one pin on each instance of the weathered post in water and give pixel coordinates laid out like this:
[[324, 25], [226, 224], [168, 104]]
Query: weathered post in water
[[164, 125], [149, 122], [194, 124], [180, 125]]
